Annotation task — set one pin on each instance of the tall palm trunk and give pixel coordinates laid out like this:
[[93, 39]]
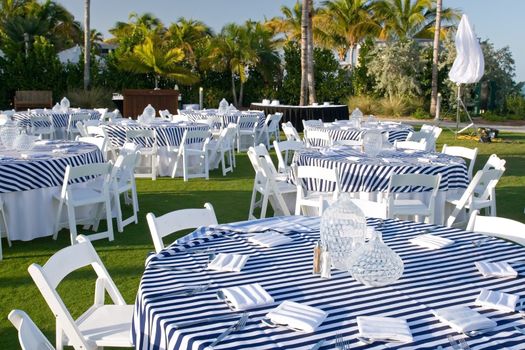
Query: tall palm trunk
[[87, 44], [435, 59], [304, 53], [310, 50], [234, 90]]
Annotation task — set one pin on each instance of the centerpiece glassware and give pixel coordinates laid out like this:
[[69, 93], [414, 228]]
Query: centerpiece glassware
[[8, 134], [372, 142], [343, 229], [375, 264]]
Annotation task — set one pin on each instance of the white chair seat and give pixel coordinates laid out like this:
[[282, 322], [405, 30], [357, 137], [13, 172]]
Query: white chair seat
[[282, 187], [83, 196], [107, 325]]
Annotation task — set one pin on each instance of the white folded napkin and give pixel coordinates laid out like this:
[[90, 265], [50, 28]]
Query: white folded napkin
[[298, 316], [497, 300], [496, 269], [464, 319], [384, 328], [431, 241], [423, 160], [269, 239], [228, 262], [34, 155], [247, 296], [353, 159]]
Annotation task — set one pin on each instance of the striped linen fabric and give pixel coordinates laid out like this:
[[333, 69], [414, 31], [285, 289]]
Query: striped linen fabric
[[196, 116], [19, 174], [336, 134], [360, 173], [431, 280], [60, 120], [168, 134]]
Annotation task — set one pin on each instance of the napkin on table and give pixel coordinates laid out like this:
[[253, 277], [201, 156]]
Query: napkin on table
[[384, 328], [247, 296], [463, 319], [228, 262], [496, 269], [299, 316], [497, 300], [269, 239], [431, 241]]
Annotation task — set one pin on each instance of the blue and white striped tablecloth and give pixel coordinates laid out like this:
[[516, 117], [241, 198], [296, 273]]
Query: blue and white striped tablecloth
[[42, 168], [195, 116], [60, 120], [361, 173], [168, 134], [396, 132], [432, 279]]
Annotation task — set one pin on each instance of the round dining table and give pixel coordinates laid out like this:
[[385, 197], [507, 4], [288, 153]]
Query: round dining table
[[169, 136], [30, 178], [166, 316], [370, 175]]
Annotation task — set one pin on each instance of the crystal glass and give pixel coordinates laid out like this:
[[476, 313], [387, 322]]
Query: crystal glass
[[223, 106], [375, 264], [372, 142], [23, 142], [149, 113], [343, 228], [8, 134], [64, 103]]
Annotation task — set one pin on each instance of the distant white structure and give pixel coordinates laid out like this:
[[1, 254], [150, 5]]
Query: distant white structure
[[71, 55]]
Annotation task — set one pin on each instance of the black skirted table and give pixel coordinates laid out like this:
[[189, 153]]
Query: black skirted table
[[295, 114]]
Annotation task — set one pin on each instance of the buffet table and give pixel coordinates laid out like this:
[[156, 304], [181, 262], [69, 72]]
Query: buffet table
[[432, 279], [296, 114], [29, 179]]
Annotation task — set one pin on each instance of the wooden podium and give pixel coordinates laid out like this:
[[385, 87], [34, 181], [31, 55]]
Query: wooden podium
[[136, 100]]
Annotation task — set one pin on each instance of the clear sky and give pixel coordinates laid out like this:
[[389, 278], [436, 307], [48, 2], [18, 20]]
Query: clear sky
[[501, 21]]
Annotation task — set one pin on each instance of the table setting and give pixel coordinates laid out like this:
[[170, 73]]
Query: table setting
[[274, 301]]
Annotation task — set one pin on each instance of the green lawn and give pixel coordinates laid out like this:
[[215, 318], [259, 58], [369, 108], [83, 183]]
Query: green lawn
[[230, 195]]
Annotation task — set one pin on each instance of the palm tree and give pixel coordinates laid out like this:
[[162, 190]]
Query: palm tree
[[155, 56], [87, 43], [347, 23], [310, 55], [411, 19], [303, 97], [188, 35], [435, 59], [289, 24], [128, 34]]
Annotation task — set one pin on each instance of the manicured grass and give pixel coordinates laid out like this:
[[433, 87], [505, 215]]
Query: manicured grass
[[230, 196]]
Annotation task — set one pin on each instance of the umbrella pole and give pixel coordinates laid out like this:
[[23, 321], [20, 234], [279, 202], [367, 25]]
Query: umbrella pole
[[471, 125], [458, 101]]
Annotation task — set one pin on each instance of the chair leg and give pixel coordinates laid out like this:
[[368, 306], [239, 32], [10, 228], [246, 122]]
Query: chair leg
[[264, 205], [72, 224], [57, 221], [154, 167], [118, 207], [252, 203], [175, 166], [135, 198], [109, 219], [184, 167]]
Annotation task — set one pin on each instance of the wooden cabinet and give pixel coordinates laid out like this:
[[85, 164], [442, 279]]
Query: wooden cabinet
[[136, 100]]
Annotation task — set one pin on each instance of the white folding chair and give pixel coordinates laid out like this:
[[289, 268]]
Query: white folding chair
[[272, 128], [412, 207], [315, 137], [123, 182], [327, 183], [99, 326], [102, 112], [146, 140], [420, 145], [94, 193], [179, 118], [290, 132], [371, 209], [42, 125], [165, 114], [100, 142], [312, 123], [419, 136], [485, 182], [432, 129], [215, 123], [494, 226], [178, 220], [3, 227], [72, 130], [82, 130], [267, 185], [285, 151], [494, 162], [222, 150], [193, 155], [99, 131], [246, 128], [466, 153], [30, 336]]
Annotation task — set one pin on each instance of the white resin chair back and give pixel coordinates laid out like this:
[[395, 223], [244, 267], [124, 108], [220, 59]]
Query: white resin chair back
[[403, 183], [146, 140], [494, 162], [420, 145], [478, 195], [194, 145], [315, 137], [72, 123], [418, 136], [101, 325], [432, 129], [371, 209], [82, 130], [42, 125], [246, 128], [180, 118], [290, 132], [179, 220], [72, 197], [272, 127], [312, 123], [30, 336], [165, 114], [100, 142], [494, 226], [324, 179], [285, 151], [223, 152], [102, 112], [466, 153]]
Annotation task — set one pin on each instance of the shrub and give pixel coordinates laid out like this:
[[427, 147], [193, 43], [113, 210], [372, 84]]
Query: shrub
[[420, 113], [367, 104], [94, 98], [394, 107], [516, 106]]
